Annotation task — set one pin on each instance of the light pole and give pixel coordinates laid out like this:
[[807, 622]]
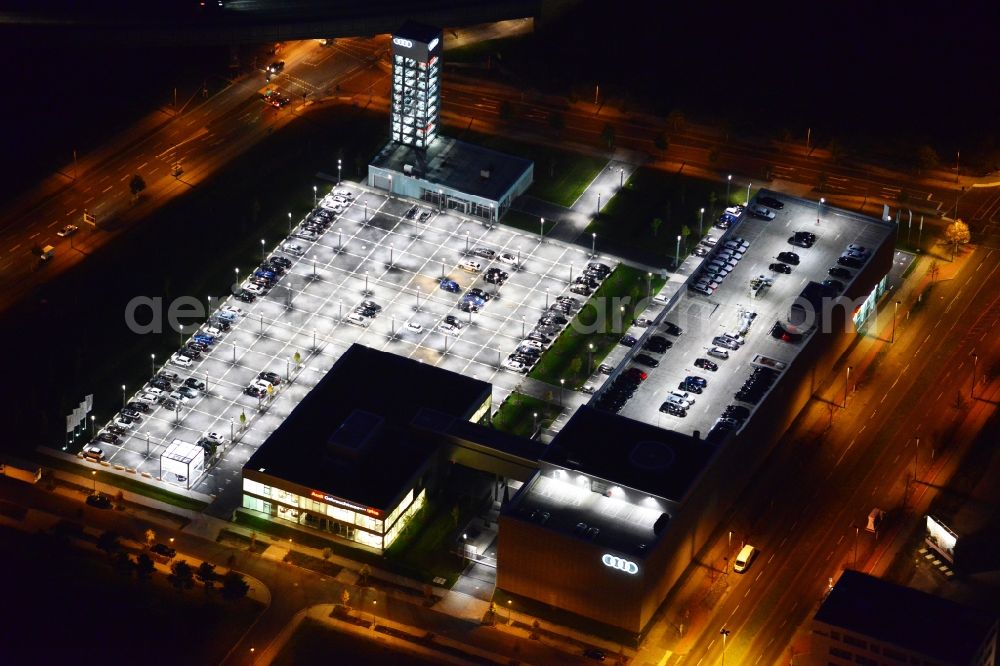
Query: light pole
[[314, 196], [621, 178], [593, 244], [340, 240], [598, 214], [895, 309], [440, 201], [819, 209], [237, 276], [263, 255], [366, 211], [338, 171], [857, 530], [729, 182], [725, 634], [701, 222], [748, 193], [546, 298], [975, 361], [522, 326], [123, 395], [289, 222], [366, 283], [391, 248], [677, 255], [847, 383], [180, 335], [467, 242], [418, 299], [152, 365], [541, 227], [93, 420], [314, 266], [590, 359], [562, 388], [649, 285], [93, 475]]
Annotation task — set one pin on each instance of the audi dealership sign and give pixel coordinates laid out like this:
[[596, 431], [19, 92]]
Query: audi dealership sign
[[399, 41], [620, 564]]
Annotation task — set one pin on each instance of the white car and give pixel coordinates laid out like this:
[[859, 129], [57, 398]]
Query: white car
[[532, 344], [179, 397], [448, 329], [181, 360], [484, 252], [358, 320], [292, 248], [682, 396], [68, 230], [347, 194], [124, 424], [515, 366], [149, 398], [213, 331], [718, 352], [414, 327], [215, 437], [264, 385], [507, 258], [233, 310], [254, 289], [471, 266]]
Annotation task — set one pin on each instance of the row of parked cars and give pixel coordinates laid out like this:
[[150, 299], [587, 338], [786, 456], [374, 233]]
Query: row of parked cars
[[551, 323], [718, 265], [617, 393], [320, 219]]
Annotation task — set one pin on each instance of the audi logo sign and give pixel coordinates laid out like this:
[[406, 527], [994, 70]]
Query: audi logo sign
[[620, 564], [399, 41]]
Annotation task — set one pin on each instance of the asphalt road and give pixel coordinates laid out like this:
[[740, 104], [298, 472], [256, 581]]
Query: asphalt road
[[835, 465]]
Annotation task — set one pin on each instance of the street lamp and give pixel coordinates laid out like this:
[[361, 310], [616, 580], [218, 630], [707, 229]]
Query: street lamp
[[729, 182], [562, 387], [701, 222], [725, 634], [263, 255], [418, 299], [93, 420], [541, 227], [338, 171], [546, 298], [314, 196], [598, 205], [748, 193], [590, 359], [289, 222], [467, 242], [440, 200], [152, 364], [649, 285], [621, 178], [522, 326], [677, 257], [123, 395], [895, 309], [846, 384], [237, 276], [180, 335], [819, 209], [366, 283], [93, 475], [593, 244]]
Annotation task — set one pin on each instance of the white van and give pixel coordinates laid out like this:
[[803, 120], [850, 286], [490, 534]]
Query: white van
[[744, 559], [875, 519]]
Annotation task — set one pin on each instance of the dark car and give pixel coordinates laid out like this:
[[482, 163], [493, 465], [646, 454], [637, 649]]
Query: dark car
[[671, 328], [635, 373], [496, 276], [160, 383], [220, 324], [839, 272], [163, 550], [254, 391], [627, 340], [673, 409], [835, 286], [450, 286], [454, 321], [132, 414], [657, 344], [705, 364], [245, 296], [687, 386], [771, 202], [100, 501], [479, 293], [271, 377], [850, 262], [108, 437], [789, 258], [605, 369], [276, 67], [799, 242], [284, 262], [553, 318], [780, 268], [138, 406], [646, 360], [737, 412], [587, 281]]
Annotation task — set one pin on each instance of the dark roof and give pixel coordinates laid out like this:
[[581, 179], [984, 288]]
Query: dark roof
[[904, 617], [418, 32], [629, 453], [457, 165], [351, 436]]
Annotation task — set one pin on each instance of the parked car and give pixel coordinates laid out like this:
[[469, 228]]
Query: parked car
[[771, 202], [789, 258], [450, 286], [705, 364], [780, 268]]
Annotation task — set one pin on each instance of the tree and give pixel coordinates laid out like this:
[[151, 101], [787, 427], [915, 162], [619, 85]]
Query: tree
[[150, 537], [927, 158], [120, 500], [181, 576], [108, 542], [575, 366], [345, 598], [655, 224], [662, 141], [234, 586], [144, 566], [297, 358], [327, 553], [957, 233], [685, 232], [243, 419], [136, 186], [206, 572], [608, 135], [933, 270]]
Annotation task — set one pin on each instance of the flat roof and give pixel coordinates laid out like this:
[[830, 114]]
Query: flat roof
[[353, 435], [629, 453], [456, 165], [908, 618]]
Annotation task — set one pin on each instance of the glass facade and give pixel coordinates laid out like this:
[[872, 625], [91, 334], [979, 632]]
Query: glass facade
[[339, 517], [870, 305], [416, 97]]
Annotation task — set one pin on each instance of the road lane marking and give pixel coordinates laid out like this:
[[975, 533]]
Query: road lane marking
[[34, 234], [15, 247], [770, 558], [89, 200], [107, 189], [141, 166], [52, 224], [71, 212]]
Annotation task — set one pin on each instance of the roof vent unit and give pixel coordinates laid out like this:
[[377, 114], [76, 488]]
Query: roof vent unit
[[485, 173], [408, 169]]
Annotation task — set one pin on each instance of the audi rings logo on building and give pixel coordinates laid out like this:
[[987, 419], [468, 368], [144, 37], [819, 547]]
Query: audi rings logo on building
[[620, 564], [399, 41]]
